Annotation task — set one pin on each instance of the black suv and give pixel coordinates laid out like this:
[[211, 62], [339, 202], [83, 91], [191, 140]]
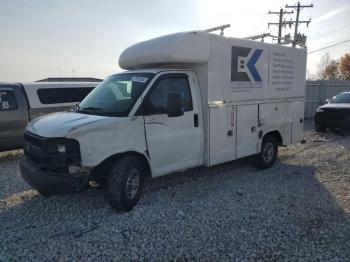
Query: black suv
[[334, 114]]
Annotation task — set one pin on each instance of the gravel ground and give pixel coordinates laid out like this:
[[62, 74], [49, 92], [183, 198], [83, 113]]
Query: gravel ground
[[297, 210]]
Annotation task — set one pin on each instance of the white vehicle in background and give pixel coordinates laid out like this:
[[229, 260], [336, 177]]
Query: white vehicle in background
[[22, 102], [187, 100]]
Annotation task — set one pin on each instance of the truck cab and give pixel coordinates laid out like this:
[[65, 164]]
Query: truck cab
[[14, 115], [140, 114]]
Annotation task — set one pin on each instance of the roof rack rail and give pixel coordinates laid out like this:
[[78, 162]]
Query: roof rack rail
[[222, 28]]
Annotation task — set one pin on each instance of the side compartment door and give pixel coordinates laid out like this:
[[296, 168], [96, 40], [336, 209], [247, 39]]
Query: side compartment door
[[222, 134], [174, 143], [247, 130], [298, 121], [277, 116]]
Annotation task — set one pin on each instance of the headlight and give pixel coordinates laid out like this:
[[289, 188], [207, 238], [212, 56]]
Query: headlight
[[319, 110], [60, 153], [61, 148], [69, 148], [74, 169]]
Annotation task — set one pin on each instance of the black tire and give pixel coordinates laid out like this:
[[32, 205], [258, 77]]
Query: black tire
[[268, 154], [319, 127], [125, 183]]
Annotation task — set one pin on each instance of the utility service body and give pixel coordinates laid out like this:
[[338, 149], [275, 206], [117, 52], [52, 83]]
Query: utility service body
[[188, 99]]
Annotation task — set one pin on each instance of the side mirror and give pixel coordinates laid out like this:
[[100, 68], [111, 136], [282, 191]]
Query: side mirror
[[328, 100], [175, 105]]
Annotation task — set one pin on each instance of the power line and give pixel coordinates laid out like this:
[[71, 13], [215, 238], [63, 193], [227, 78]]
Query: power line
[[317, 50], [289, 2], [259, 24], [298, 38], [331, 32], [264, 17]]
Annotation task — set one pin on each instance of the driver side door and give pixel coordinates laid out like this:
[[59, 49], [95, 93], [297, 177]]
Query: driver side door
[[173, 142]]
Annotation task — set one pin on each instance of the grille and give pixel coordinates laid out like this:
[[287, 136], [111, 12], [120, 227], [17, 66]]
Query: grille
[[36, 149], [338, 114], [35, 158], [35, 140], [33, 148]]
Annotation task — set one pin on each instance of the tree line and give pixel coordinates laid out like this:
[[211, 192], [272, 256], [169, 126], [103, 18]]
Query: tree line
[[334, 69]]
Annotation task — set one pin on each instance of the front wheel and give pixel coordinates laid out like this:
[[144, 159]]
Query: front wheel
[[125, 183], [268, 154], [319, 127]]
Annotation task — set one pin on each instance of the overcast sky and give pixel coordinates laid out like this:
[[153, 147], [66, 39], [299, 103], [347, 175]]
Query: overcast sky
[[38, 37]]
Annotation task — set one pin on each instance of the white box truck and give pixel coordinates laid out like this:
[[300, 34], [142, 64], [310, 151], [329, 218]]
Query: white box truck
[[186, 100]]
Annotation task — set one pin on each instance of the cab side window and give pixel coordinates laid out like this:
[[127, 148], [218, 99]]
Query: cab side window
[[7, 100], [63, 95], [156, 101]]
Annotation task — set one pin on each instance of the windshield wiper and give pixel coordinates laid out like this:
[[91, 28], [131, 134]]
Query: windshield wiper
[[97, 111], [90, 109]]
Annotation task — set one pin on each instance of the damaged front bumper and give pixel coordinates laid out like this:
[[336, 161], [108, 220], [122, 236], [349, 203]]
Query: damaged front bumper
[[52, 182]]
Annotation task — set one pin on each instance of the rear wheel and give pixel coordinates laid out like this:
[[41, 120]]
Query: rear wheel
[[268, 154], [125, 183]]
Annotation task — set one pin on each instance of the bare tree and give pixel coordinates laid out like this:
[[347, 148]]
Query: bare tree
[[332, 71], [322, 65]]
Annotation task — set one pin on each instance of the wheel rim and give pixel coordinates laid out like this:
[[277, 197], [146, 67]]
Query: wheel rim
[[133, 183], [268, 152]]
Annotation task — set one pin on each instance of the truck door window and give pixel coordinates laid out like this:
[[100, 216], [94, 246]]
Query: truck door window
[[7, 100], [156, 102]]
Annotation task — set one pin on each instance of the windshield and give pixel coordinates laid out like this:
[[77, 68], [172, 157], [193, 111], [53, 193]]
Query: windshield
[[341, 98], [116, 95]]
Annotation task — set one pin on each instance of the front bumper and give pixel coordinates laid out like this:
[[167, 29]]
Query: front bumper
[[332, 119], [52, 182]]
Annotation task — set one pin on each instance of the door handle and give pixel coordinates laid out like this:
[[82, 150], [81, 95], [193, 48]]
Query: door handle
[[195, 120]]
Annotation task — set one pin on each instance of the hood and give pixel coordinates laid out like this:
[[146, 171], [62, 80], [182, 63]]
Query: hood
[[60, 124], [336, 105]]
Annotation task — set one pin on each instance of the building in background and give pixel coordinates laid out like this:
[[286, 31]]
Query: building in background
[[70, 79]]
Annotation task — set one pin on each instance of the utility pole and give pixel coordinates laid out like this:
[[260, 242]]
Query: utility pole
[[280, 24], [298, 7]]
